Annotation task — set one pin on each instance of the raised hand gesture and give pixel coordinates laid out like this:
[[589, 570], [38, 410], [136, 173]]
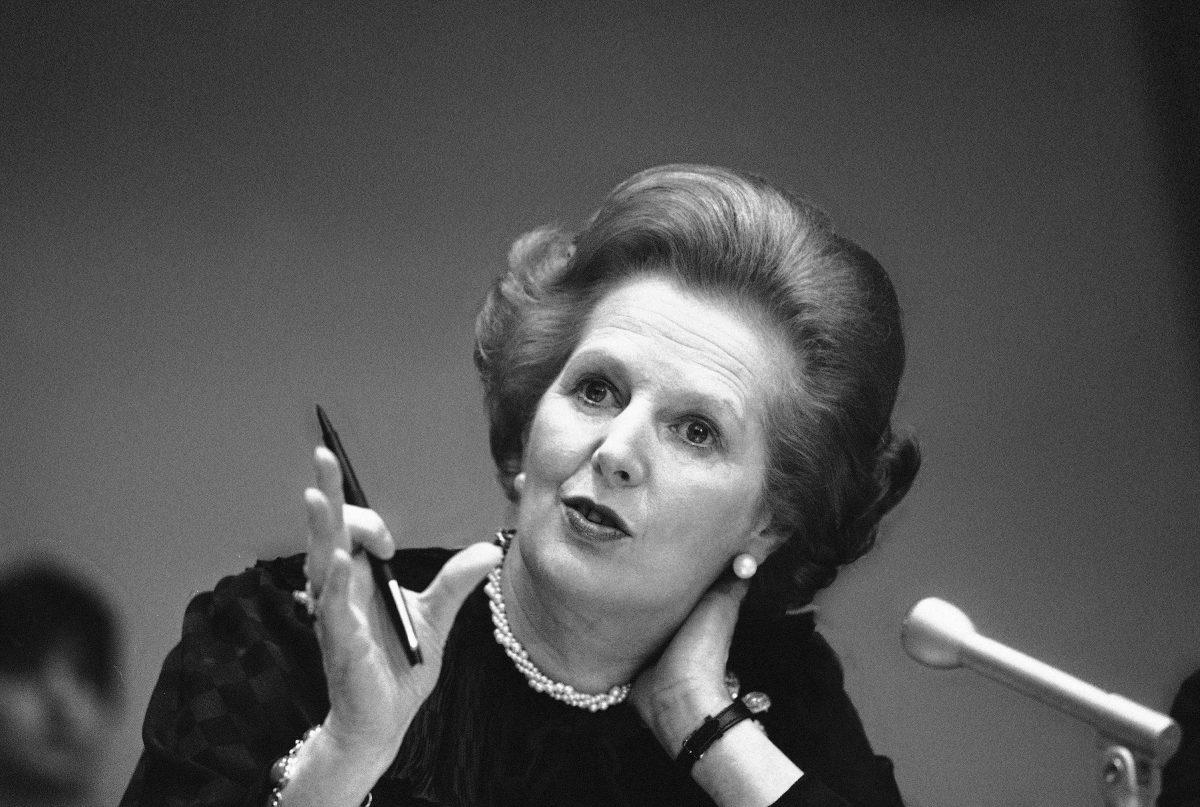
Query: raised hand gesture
[[373, 690]]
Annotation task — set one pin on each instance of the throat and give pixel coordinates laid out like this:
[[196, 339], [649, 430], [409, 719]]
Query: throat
[[556, 656]]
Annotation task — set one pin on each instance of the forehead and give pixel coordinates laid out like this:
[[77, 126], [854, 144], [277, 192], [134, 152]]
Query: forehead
[[688, 337]]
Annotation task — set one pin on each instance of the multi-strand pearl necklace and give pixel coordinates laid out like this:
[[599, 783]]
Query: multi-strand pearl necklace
[[537, 679]]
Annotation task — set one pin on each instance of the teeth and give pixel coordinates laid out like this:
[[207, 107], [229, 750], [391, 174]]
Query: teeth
[[593, 514]]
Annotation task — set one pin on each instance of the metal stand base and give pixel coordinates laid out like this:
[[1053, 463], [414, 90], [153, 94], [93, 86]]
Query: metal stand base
[[1126, 780]]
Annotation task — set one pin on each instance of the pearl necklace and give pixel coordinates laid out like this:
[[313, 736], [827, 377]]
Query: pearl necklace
[[538, 680]]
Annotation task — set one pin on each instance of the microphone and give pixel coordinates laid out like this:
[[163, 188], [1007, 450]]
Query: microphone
[[937, 634]]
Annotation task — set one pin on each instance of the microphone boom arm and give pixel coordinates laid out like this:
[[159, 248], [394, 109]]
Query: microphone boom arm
[[937, 634]]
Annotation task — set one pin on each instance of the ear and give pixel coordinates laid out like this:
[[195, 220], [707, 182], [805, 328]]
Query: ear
[[764, 540]]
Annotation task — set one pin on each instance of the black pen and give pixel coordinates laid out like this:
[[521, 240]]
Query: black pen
[[385, 581]]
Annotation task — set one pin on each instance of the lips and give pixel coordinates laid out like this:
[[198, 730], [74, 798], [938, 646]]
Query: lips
[[594, 519]]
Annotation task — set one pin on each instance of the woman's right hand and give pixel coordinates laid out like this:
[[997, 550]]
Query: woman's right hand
[[373, 691]]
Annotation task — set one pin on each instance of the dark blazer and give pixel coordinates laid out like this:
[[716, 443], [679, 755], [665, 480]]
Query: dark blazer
[[246, 680]]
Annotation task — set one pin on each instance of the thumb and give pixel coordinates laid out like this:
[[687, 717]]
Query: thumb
[[458, 578]]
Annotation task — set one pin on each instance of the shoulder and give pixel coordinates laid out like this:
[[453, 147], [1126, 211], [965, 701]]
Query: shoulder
[[787, 649], [248, 624], [246, 673], [261, 594], [416, 568], [276, 579], [811, 717], [789, 661], [259, 602], [1186, 706]]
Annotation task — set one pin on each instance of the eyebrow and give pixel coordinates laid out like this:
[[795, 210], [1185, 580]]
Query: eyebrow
[[728, 410]]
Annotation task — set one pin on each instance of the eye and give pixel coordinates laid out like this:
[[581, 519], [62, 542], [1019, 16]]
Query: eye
[[595, 391], [698, 432]]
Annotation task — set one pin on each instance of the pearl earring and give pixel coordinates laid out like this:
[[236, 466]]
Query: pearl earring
[[744, 566], [519, 483]]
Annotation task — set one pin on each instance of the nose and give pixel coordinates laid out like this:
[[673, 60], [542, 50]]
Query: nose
[[73, 706], [621, 457]]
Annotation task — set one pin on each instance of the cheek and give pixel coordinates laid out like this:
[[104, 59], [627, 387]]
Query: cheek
[[557, 442], [22, 709], [722, 510]]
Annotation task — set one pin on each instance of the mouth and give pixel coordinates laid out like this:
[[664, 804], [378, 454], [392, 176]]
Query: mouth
[[594, 520]]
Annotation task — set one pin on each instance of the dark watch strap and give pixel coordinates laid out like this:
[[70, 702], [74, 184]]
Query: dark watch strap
[[711, 730]]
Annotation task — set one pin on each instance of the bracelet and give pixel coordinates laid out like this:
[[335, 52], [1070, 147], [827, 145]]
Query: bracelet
[[711, 730], [281, 771]]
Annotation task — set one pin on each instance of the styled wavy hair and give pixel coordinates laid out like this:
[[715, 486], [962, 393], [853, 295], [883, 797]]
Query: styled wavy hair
[[835, 465]]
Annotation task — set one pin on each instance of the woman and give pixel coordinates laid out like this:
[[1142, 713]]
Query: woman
[[690, 406]]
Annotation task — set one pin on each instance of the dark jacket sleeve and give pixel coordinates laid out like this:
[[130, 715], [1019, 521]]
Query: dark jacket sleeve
[[244, 682], [812, 719]]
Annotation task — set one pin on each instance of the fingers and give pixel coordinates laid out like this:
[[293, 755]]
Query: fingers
[[727, 594], [358, 526], [362, 526], [323, 537], [458, 578], [709, 628], [329, 480], [723, 601], [332, 524], [366, 529], [323, 507], [333, 604]]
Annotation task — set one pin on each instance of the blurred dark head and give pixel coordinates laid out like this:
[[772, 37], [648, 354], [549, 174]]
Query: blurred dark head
[[60, 692], [45, 610]]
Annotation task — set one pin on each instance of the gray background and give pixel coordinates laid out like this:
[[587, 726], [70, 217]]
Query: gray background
[[216, 215]]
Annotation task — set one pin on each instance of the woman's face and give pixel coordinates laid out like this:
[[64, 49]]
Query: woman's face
[[645, 462]]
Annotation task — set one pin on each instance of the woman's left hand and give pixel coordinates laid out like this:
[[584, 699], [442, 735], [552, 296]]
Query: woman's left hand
[[687, 682]]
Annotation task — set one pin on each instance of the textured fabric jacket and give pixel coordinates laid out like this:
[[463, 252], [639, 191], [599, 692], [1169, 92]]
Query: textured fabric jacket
[[246, 680]]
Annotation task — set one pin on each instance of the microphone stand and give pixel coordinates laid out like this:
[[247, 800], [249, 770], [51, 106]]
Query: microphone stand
[[1134, 741], [1127, 780]]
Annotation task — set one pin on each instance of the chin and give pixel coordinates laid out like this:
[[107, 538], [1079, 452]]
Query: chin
[[557, 559]]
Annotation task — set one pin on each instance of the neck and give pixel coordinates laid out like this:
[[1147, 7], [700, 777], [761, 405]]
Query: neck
[[574, 642]]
